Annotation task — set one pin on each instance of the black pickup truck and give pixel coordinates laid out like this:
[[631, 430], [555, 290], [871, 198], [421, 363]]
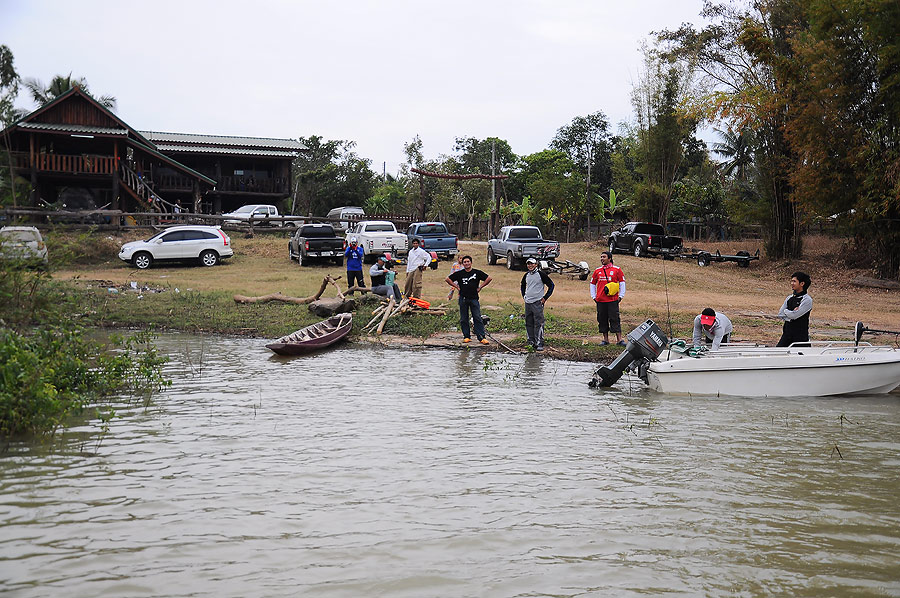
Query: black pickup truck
[[316, 241], [645, 238]]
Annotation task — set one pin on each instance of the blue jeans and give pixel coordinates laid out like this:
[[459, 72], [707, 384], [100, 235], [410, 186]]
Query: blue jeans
[[465, 306]]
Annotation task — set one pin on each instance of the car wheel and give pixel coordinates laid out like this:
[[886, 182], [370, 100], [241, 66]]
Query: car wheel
[[510, 261], [492, 259], [142, 260], [638, 249], [338, 261], [703, 260], [300, 259], [612, 246], [290, 252], [209, 258]]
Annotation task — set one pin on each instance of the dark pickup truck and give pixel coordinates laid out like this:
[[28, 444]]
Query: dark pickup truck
[[316, 241], [645, 238], [434, 237]]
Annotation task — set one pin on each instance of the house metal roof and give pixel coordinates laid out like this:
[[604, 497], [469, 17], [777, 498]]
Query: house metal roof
[[288, 145], [232, 151], [77, 129]]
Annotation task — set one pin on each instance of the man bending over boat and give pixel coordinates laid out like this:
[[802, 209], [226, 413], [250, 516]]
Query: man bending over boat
[[795, 311], [716, 327]]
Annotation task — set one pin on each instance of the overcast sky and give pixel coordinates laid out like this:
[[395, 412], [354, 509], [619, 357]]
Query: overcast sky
[[377, 73]]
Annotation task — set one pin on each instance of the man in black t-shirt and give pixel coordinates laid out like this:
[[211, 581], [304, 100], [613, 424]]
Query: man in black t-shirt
[[469, 282]]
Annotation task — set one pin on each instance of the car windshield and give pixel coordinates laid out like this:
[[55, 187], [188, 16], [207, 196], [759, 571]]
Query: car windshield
[[17, 236], [156, 236], [244, 209], [524, 233]]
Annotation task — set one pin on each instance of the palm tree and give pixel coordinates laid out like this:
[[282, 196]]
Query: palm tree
[[59, 85], [737, 147]]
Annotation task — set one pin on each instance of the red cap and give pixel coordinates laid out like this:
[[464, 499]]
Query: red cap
[[707, 320]]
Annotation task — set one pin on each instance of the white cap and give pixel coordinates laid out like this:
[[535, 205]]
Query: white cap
[[353, 239]]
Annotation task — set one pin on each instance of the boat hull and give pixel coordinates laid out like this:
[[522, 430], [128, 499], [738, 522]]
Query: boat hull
[[313, 338], [779, 374]]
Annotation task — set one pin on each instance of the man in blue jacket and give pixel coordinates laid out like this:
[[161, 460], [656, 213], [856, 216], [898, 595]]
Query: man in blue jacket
[[354, 256], [533, 283]]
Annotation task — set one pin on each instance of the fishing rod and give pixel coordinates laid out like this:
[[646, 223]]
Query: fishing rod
[[486, 320]]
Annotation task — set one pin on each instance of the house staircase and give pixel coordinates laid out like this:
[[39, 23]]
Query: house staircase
[[138, 188]]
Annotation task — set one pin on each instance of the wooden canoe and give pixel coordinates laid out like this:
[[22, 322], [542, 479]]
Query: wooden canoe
[[314, 337]]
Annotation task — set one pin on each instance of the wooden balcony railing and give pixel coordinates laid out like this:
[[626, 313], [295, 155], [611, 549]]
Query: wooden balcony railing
[[174, 182], [252, 184], [66, 163]]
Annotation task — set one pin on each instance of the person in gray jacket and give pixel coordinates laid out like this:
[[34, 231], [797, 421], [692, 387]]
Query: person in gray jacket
[[716, 327], [533, 283]]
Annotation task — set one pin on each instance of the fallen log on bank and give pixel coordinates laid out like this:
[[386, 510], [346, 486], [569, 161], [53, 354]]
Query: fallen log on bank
[[295, 300]]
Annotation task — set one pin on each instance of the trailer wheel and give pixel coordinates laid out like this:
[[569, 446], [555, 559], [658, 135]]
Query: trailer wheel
[[744, 263], [703, 260]]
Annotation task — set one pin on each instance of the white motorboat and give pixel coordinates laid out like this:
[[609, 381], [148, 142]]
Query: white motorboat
[[819, 370], [815, 369]]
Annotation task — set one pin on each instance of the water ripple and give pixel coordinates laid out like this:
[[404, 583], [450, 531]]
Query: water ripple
[[431, 473]]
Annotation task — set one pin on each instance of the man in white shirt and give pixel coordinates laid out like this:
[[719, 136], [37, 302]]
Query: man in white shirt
[[416, 262]]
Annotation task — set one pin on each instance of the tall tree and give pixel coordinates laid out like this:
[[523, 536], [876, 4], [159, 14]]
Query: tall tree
[[845, 123], [329, 174], [743, 55], [9, 89], [586, 141], [663, 131], [44, 94]]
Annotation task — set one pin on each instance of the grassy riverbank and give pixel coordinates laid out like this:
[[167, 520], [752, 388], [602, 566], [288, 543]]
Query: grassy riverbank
[[672, 293]]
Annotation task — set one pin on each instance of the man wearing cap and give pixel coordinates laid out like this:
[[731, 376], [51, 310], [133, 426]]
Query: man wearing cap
[[416, 261], [533, 283], [716, 327], [607, 290], [354, 256]]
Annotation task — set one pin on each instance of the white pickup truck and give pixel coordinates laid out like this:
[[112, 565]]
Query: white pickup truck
[[377, 237]]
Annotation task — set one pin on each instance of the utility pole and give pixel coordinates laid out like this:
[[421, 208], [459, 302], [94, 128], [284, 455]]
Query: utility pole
[[495, 215]]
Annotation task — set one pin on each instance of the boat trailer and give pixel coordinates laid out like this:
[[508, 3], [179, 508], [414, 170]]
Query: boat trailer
[[581, 270], [705, 258]]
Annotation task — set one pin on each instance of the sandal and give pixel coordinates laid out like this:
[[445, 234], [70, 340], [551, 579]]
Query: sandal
[[604, 343]]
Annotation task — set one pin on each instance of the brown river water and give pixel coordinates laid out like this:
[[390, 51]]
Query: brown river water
[[390, 472]]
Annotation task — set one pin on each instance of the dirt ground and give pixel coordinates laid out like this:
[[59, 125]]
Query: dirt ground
[[671, 292]]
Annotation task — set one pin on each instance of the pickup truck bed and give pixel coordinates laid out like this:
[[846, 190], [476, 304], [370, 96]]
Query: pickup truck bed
[[316, 241], [515, 244], [645, 238]]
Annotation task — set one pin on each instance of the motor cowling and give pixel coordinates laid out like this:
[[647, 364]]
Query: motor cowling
[[645, 343]]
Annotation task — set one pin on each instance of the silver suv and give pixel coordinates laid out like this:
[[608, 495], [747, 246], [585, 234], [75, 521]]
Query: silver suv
[[208, 244]]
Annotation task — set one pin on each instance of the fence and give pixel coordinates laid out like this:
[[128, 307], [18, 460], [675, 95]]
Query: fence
[[577, 231]]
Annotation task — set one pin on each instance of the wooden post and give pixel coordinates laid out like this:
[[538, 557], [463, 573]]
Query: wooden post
[[387, 314]]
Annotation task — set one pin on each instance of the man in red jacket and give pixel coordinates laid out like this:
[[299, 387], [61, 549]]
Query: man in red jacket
[[607, 290]]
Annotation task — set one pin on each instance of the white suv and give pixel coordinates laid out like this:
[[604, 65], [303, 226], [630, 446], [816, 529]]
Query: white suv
[[209, 244], [22, 244]]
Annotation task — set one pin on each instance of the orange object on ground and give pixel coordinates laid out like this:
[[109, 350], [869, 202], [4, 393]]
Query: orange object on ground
[[419, 303]]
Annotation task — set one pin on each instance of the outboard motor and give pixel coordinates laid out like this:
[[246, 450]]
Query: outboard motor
[[645, 343]]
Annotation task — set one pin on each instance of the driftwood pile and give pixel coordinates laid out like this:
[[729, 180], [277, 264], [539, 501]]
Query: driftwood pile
[[382, 313]]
